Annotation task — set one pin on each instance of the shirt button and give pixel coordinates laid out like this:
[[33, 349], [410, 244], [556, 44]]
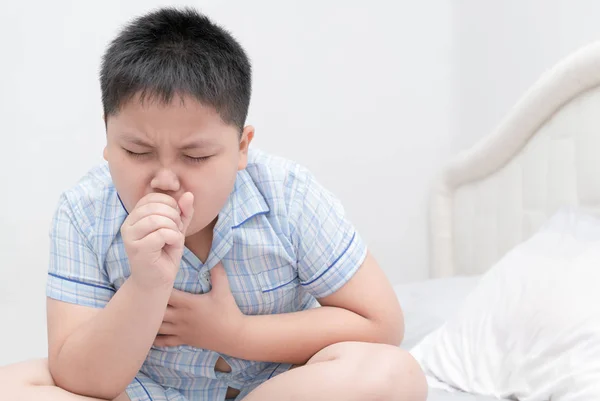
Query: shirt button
[[206, 278]]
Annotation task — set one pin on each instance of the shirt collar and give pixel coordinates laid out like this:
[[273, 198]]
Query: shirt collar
[[244, 202]]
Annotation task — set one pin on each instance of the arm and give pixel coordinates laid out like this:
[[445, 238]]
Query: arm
[[98, 352], [365, 309], [97, 339]]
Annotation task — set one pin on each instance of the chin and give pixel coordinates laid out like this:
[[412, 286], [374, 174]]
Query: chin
[[192, 231], [198, 228]]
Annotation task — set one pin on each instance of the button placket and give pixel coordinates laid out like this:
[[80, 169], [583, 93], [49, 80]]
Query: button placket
[[205, 280]]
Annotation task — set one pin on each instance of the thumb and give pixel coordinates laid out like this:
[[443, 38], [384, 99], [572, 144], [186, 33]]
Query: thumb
[[178, 298], [186, 205], [218, 278]]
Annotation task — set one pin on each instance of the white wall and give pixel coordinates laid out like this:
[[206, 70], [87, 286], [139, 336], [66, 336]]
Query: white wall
[[357, 91], [502, 47]]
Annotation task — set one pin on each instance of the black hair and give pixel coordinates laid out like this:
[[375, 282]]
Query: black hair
[[170, 52]]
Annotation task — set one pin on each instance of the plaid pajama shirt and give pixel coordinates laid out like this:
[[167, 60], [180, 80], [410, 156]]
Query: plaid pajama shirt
[[284, 242]]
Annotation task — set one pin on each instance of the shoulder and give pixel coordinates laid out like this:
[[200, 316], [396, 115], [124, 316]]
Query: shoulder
[[274, 175], [91, 206], [286, 182]]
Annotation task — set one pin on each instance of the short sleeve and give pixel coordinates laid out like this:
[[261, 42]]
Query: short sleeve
[[74, 274], [329, 249]]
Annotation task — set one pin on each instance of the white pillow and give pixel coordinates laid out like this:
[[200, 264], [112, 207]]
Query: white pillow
[[530, 330]]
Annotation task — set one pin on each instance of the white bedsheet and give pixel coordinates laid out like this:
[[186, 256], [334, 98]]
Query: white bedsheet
[[441, 395]]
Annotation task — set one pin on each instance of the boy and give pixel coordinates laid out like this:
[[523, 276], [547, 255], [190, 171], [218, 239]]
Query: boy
[[193, 268]]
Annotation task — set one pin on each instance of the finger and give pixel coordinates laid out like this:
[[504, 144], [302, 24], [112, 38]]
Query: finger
[[158, 239], [170, 315], [158, 197], [158, 209], [167, 341], [167, 329], [149, 224], [186, 205], [179, 299]]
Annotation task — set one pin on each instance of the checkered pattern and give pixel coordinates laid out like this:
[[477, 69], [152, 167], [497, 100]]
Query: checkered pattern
[[282, 238]]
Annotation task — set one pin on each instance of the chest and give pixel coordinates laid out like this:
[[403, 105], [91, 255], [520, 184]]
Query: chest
[[261, 268]]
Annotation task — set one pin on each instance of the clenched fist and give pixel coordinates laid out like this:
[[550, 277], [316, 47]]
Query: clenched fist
[[154, 235]]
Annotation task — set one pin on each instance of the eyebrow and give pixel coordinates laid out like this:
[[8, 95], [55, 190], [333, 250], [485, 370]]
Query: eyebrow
[[197, 144], [136, 141]]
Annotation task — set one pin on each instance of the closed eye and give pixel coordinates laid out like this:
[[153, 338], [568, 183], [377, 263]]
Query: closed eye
[[135, 154], [198, 159]]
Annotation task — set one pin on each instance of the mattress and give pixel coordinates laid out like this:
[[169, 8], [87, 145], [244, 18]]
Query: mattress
[[441, 395], [426, 305]]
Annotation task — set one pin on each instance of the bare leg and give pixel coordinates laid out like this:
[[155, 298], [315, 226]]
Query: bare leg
[[349, 371], [27, 381]]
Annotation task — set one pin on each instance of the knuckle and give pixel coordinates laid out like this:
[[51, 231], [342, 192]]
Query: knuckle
[[161, 234], [155, 208], [171, 201], [168, 234], [153, 219]]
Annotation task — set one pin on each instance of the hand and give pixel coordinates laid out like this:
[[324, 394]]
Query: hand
[[210, 321], [154, 235]]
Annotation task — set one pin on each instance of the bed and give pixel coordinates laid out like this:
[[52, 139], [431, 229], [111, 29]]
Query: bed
[[426, 305], [492, 197]]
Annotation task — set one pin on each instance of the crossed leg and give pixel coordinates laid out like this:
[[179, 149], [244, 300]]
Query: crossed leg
[[31, 380], [349, 371], [346, 371]]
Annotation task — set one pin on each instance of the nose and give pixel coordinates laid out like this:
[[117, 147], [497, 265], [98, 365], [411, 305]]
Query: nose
[[166, 181]]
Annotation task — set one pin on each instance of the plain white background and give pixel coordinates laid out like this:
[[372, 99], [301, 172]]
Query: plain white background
[[374, 97]]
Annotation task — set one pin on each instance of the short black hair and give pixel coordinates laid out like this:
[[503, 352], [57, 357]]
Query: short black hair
[[170, 52]]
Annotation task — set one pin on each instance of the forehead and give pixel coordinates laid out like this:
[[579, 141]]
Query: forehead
[[180, 116]]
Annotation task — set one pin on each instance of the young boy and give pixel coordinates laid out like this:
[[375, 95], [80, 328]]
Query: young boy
[[193, 268]]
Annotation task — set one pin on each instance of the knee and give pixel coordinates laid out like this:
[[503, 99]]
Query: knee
[[26, 374], [385, 372], [399, 375], [21, 381]]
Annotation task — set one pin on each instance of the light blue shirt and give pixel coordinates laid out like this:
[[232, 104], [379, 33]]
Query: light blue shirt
[[283, 239]]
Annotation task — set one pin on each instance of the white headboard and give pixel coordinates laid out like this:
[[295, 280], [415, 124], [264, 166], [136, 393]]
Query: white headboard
[[545, 154]]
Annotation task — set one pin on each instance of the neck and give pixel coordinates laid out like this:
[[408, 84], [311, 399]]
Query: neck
[[201, 242]]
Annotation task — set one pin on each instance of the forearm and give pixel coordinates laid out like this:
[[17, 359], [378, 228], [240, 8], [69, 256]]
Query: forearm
[[103, 356], [296, 337]]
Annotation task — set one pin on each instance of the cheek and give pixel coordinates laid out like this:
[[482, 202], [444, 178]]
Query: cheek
[[129, 182], [211, 190]]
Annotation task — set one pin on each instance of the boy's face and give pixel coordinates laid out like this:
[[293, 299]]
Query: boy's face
[[175, 148]]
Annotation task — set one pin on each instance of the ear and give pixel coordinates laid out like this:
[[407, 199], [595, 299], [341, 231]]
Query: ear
[[247, 136], [105, 152]]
